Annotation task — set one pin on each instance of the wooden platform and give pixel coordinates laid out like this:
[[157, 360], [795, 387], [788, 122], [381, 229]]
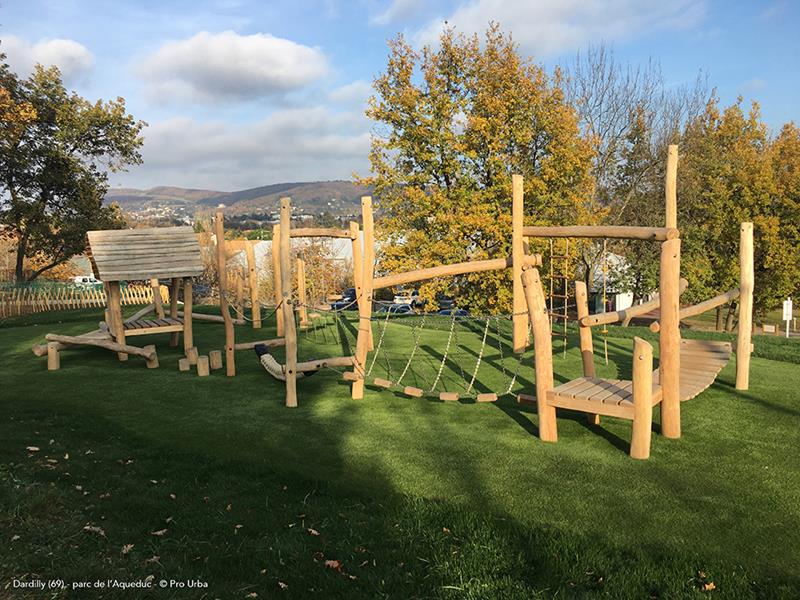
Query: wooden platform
[[150, 326], [611, 397], [701, 362]]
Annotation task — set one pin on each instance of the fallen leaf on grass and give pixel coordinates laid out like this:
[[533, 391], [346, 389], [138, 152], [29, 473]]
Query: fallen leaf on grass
[[236, 528], [169, 520], [154, 482], [229, 508], [127, 548], [252, 595], [66, 456], [172, 496], [313, 531], [364, 564], [14, 538], [79, 488], [104, 496], [93, 529], [159, 533], [708, 587], [282, 585], [318, 556], [333, 564], [445, 530], [152, 559], [52, 461]]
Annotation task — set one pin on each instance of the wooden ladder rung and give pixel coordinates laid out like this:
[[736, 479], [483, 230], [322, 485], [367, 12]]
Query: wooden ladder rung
[[413, 391], [384, 383], [492, 397], [448, 396]]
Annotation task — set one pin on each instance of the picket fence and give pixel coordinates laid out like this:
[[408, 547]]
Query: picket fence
[[15, 301]]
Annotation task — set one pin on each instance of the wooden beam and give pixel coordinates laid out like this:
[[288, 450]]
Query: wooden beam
[[642, 398], [629, 313], [670, 339], [520, 316], [230, 341], [585, 334], [252, 282], [188, 299], [474, 266], [543, 352], [276, 277], [289, 331], [203, 317], [330, 232], [746, 283], [157, 302], [76, 340], [656, 234], [701, 307], [365, 308], [270, 343], [302, 300], [334, 361], [671, 187], [117, 325], [174, 289]]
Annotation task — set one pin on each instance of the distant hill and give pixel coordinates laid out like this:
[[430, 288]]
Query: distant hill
[[336, 197]]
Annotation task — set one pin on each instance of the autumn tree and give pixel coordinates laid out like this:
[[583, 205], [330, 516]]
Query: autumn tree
[[56, 150], [453, 123]]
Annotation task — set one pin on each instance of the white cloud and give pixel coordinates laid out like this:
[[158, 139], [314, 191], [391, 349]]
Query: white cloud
[[289, 145], [72, 58], [354, 93], [396, 11], [212, 67], [549, 27]]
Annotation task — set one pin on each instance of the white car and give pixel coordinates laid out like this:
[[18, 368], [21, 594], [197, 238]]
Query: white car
[[85, 280]]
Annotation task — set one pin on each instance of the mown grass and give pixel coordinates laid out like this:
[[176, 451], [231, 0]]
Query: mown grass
[[410, 498]]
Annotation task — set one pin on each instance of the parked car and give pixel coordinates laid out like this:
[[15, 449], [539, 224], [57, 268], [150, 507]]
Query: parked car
[[347, 301], [86, 280], [457, 312], [406, 297], [396, 309]]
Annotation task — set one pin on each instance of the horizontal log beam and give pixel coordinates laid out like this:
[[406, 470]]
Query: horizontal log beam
[[474, 266], [334, 361], [330, 232], [628, 313], [657, 234], [700, 308], [269, 343], [98, 334], [77, 340], [204, 317]]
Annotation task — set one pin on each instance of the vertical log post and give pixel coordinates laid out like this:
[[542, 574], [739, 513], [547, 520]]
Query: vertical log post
[[671, 187], [670, 338], [302, 300], [115, 312], [173, 307], [358, 270], [289, 331], [746, 284], [585, 333], [239, 297], [543, 352], [252, 282], [365, 307], [188, 301], [277, 280], [157, 302], [642, 398], [520, 317], [53, 357], [230, 355]]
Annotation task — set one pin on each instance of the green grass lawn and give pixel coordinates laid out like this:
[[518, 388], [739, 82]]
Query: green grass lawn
[[213, 479]]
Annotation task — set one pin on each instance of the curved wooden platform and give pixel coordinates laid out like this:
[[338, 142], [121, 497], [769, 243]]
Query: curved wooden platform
[[701, 362]]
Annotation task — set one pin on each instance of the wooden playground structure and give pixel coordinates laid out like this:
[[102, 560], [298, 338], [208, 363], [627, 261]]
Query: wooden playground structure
[[685, 367]]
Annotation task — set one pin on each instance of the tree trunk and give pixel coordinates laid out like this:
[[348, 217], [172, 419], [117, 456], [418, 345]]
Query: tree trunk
[[22, 247], [719, 318], [729, 319]]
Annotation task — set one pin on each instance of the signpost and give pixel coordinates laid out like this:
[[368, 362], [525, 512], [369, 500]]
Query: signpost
[[787, 313]]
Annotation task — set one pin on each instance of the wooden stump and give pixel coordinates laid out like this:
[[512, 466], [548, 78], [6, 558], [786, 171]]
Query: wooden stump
[[202, 366], [183, 364], [53, 357], [215, 359], [152, 363], [191, 354]]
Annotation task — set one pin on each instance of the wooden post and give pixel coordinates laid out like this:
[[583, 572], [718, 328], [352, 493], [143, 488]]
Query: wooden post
[[289, 331], [252, 282], [183, 364], [587, 347], [277, 280], [215, 359], [188, 299], [365, 308], [670, 338], [671, 187], [53, 357], [173, 307], [358, 270], [117, 324], [152, 363], [585, 333], [642, 398], [157, 302], [520, 317], [239, 297], [543, 352], [191, 355], [230, 355], [202, 366], [302, 300], [746, 284]]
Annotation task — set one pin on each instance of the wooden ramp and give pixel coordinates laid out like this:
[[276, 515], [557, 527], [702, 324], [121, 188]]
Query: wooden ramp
[[701, 362]]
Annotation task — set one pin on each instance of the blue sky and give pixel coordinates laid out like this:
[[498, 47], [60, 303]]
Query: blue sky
[[244, 93]]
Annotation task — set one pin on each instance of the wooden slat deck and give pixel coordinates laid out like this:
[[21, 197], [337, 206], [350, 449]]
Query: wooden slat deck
[[611, 397], [148, 326], [701, 362]]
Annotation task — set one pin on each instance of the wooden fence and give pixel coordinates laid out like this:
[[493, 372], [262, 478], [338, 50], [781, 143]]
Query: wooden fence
[[25, 300]]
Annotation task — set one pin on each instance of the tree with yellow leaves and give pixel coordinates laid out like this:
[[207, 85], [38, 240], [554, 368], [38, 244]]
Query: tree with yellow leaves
[[453, 123]]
